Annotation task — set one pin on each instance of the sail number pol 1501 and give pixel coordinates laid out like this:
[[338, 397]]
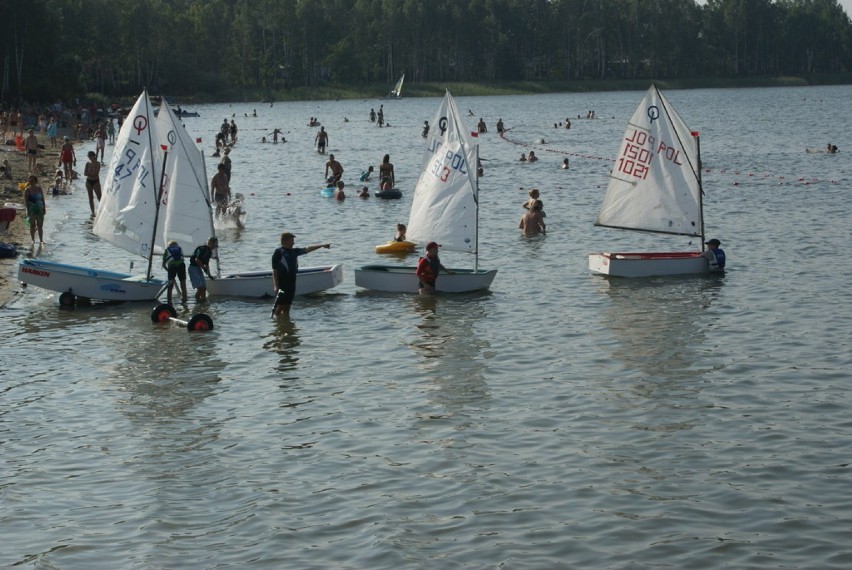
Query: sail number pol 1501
[[635, 158]]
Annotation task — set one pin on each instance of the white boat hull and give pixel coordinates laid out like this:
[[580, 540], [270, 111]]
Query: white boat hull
[[89, 283], [648, 264], [393, 279], [258, 284]]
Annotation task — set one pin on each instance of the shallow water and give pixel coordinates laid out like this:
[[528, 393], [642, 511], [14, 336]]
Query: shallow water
[[559, 420]]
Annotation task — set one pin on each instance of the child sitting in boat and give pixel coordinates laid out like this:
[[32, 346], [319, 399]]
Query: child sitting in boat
[[400, 233]]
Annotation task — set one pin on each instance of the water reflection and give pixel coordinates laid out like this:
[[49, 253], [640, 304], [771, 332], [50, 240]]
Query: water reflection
[[284, 339], [450, 350], [657, 323], [165, 371]]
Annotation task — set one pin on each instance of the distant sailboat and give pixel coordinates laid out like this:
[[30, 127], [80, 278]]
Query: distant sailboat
[[396, 92]]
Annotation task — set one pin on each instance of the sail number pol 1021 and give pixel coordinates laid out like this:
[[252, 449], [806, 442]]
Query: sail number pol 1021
[[635, 159]]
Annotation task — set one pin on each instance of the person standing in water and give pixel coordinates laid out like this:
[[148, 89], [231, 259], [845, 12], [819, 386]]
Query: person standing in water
[[175, 268], [335, 167], [386, 173], [92, 172], [321, 140], [428, 268], [285, 268], [36, 208]]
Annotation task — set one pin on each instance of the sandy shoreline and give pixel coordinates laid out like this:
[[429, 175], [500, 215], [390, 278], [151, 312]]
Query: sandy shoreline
[[19, 232]]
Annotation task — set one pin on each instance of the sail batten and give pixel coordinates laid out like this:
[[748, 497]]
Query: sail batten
[[655, 185]]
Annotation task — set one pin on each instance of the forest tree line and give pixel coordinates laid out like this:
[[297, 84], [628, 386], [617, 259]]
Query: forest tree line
[[53, 49]]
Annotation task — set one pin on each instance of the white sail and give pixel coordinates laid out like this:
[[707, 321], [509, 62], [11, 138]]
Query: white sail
[[397, 89], [655, 184], [185, 206], [129, 202], [445, 200]]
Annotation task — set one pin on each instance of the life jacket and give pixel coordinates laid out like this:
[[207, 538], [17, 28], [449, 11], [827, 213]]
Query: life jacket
[[720, 257], [430, 269], [173, 256]]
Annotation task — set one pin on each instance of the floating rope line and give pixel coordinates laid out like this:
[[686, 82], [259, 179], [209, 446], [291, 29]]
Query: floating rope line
[[782, 180]]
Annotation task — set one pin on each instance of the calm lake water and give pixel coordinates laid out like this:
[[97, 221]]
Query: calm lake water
[[560, 420]]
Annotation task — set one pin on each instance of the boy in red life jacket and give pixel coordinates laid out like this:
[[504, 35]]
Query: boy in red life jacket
[[428, 268]]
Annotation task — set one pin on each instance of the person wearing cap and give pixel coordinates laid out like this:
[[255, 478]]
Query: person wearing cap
[[428, 268], [175, 268], [199, 265], [714, 255], [285, 267], [92, 172], [67, 158]]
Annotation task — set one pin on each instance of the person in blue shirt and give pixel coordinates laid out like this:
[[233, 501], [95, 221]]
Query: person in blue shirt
[[285, 267], [714, 255]]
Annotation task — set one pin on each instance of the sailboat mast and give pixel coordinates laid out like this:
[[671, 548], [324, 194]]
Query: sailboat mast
[[476, 201], [209, 199], [697, 138], [159, 195]]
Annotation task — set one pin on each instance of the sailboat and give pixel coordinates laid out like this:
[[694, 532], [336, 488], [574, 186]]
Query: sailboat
[[396, 92], [654, 186], [445, 209], [127, 218]]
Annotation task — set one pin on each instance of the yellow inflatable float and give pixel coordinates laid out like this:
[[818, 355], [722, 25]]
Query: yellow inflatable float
[[396, 247]]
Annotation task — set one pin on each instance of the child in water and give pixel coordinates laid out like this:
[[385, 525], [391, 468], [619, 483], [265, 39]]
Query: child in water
[[366, 174]]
